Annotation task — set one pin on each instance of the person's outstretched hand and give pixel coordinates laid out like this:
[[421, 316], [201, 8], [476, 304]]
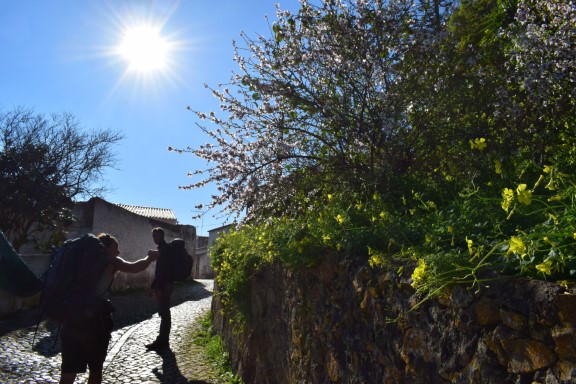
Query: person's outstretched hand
[[153, 254]]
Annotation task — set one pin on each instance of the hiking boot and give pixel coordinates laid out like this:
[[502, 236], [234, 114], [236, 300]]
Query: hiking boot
[[157, 346]]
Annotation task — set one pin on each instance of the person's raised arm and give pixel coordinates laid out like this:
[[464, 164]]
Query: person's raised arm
[[135, 266]]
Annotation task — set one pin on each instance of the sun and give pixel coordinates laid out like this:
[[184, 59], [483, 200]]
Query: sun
[[144, 49]]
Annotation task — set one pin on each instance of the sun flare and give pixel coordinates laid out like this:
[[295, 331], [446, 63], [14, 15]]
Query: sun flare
[[144, 49]]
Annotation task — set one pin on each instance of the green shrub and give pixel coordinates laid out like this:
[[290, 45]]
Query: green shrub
[[520, 229]]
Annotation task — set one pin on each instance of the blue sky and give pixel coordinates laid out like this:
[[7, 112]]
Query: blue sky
[[63, 56]]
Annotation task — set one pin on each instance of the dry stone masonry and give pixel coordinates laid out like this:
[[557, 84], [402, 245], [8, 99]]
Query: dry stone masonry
[[347, 323]]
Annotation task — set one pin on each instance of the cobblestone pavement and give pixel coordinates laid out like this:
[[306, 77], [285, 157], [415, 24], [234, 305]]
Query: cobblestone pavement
[[28, 355]]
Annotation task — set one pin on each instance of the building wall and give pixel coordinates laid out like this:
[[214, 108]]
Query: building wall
[[214, 233], [204, 266], [134, 234]]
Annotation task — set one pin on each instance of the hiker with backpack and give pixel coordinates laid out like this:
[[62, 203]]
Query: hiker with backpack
[[161, 288], [174, 263], [85, 339]]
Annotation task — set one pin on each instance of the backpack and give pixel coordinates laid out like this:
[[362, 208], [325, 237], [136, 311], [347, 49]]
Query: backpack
[[70, 286], [181, 260]]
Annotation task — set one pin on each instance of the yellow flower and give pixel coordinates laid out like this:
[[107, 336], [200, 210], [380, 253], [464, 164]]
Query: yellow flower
[[508, 197], [412, 211], [574, 235], [450, 229], [479, 144], [329, 197], [403, 200], [545, 267], [517, 246], [548, 168], [498, 166], [339, 219], [550, 186], [326, 238], [376, 258], [419, 272], [553, 218], [524, 196], [470, 243], [428, 239], [383, 215]]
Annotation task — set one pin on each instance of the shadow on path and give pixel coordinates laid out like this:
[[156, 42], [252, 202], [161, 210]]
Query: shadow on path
[[131, 307], [170, 373], [136, 306], [20, 320]]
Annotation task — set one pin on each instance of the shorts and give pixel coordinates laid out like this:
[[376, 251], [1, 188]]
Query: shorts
[[85, 345]]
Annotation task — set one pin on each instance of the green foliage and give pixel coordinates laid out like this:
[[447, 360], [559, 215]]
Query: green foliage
[[215, 350], [534, 237], [45, 164], [527, 230], [458, 163], [478, 23]]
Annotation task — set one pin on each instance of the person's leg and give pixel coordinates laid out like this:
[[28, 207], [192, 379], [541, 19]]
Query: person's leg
[[95, 376], [67, 378], [73, 354], [164, 313], [101, 335]]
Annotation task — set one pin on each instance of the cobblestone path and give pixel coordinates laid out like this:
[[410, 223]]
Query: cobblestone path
[[30, 356]]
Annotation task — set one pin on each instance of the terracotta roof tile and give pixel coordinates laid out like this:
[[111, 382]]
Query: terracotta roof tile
[[154, 213]]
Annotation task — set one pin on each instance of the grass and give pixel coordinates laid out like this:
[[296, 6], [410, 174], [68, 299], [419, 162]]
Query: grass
[[215, 350]]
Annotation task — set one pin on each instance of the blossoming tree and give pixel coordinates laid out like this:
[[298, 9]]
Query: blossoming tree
[[317, 106]]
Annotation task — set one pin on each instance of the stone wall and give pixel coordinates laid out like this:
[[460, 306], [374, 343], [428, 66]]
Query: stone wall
[[345, 323]]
